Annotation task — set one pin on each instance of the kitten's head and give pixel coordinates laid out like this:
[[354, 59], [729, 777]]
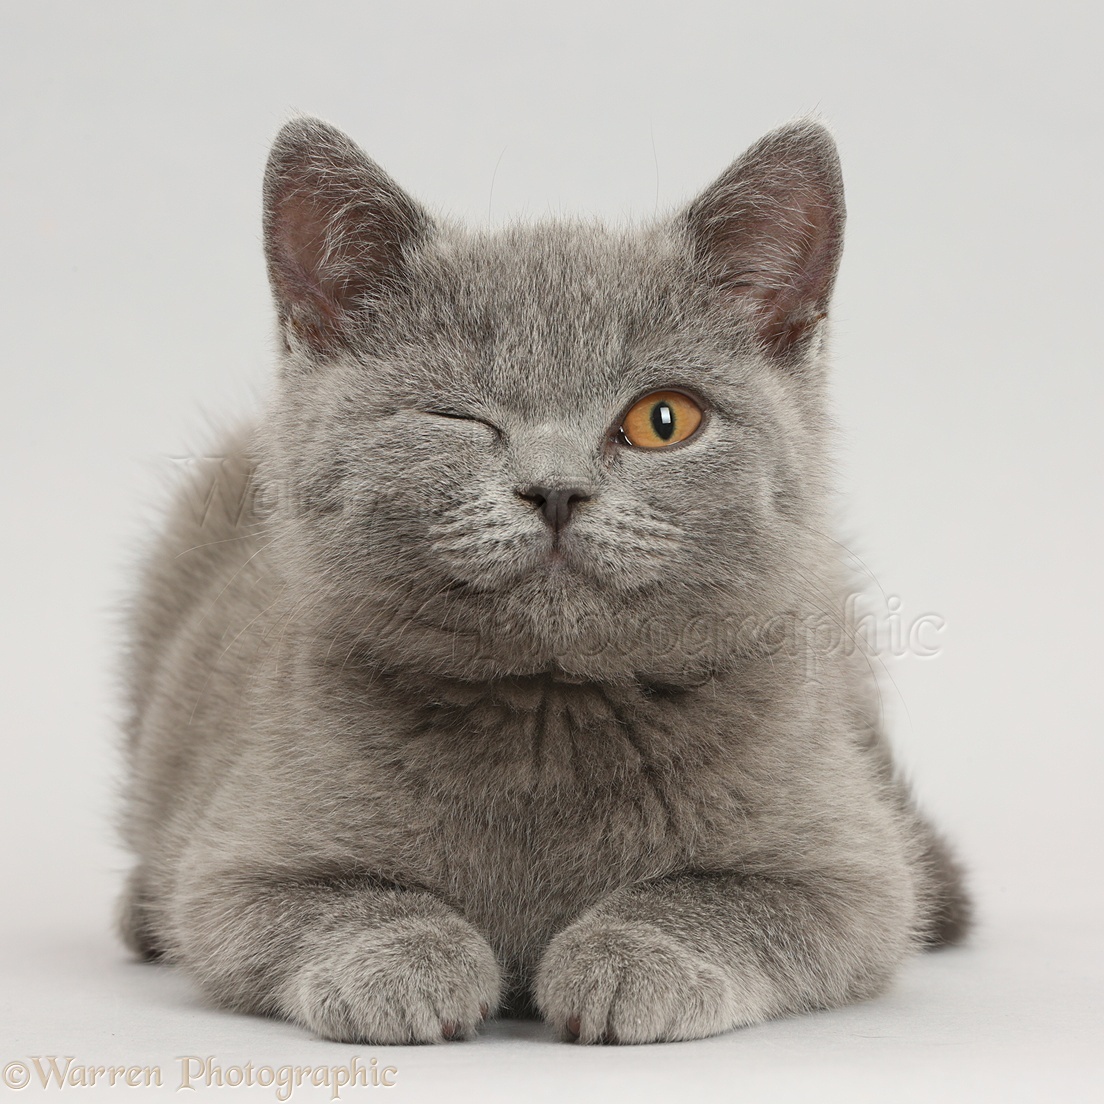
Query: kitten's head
[[564, 448]]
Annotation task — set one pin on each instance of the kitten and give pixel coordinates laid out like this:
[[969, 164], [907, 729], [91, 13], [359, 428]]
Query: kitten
[[475, 679]]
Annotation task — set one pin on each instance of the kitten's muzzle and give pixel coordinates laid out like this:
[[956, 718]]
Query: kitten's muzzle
[[556, 504]]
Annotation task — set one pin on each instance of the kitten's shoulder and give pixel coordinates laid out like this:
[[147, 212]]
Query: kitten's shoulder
[[215, 506], [214, 527]]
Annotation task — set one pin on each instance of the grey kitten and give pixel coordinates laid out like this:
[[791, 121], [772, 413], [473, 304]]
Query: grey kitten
[[478, 677]]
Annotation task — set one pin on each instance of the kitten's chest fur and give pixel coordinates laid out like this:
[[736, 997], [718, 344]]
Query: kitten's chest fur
[[531, 798]]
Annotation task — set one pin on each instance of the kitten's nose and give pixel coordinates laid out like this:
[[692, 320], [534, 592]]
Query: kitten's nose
[[556, 503]]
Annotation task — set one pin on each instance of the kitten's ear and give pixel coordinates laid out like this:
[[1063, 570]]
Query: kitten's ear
[[770, 232], [336, 228]]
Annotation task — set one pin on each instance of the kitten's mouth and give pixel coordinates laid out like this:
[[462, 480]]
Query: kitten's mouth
[[566, 554], [555, 562], [559, 556]]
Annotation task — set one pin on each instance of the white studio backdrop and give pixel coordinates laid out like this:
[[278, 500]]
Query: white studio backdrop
[[134, 314]]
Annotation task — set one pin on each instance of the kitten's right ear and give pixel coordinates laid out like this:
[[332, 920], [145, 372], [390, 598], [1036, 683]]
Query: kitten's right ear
[[336, 231]]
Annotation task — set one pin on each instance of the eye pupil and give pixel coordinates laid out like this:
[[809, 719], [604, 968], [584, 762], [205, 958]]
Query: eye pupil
[[663, 421]]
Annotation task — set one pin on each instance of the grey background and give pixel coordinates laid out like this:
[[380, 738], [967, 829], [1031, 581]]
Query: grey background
[[134, 316]]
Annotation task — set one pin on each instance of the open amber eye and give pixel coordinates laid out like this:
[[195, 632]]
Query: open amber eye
[[660, 419]]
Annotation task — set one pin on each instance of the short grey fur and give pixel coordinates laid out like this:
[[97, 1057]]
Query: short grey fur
[[448, 702]]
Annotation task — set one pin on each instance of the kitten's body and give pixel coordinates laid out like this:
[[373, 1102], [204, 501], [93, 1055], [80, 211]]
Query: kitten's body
[[401, 756]]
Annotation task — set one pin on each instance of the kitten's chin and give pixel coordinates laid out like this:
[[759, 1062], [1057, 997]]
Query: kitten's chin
[[564, 623], [554, 624]]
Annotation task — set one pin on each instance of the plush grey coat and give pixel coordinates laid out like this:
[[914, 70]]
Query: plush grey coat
[[447, 700]]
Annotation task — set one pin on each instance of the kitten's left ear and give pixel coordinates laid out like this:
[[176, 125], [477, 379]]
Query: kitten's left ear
[[769, 232], [337, 230]]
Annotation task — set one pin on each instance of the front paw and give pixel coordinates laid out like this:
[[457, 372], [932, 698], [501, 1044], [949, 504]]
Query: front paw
[[409, 980], [629, 982]]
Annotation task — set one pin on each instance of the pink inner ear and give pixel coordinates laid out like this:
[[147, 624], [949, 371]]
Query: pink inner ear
[[336, 231], [782, 258], [302, 256], [794, 250]]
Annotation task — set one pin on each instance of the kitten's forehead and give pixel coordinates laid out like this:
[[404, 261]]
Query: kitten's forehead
[[552, 315]]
